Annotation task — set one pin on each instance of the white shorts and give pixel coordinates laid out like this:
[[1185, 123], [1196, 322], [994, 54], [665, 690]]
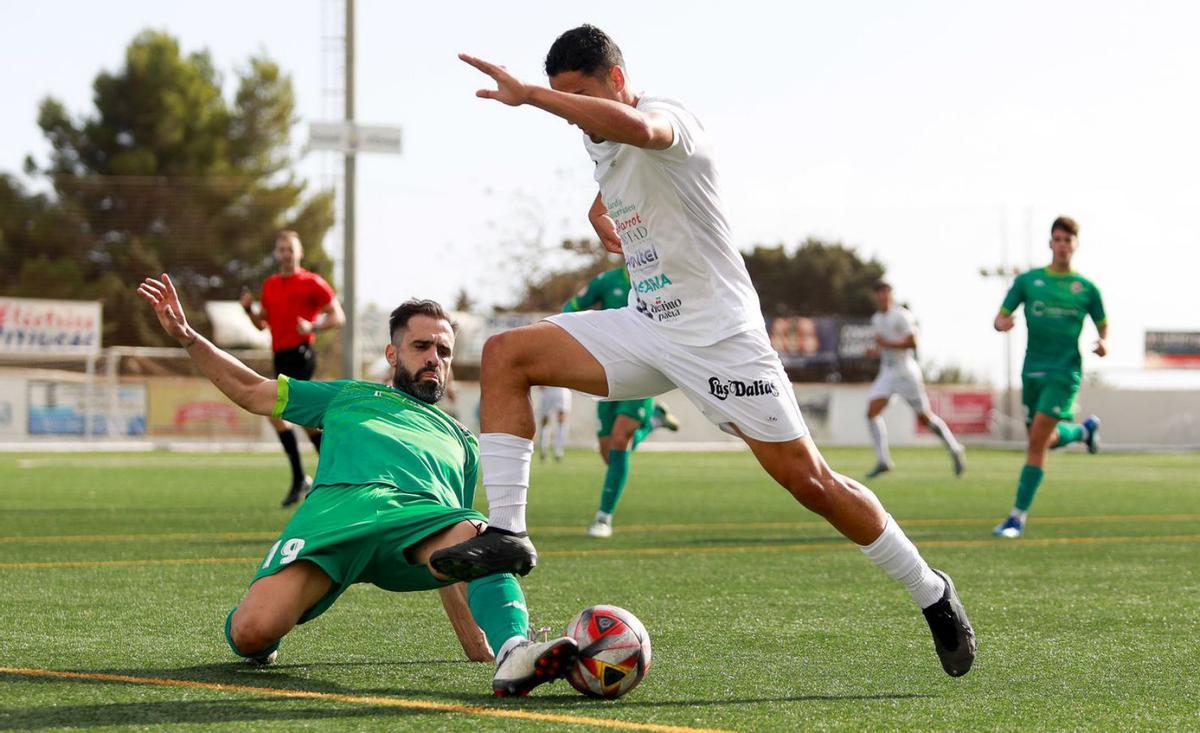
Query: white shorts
[[552, 401], [909, 386], [738, 381]]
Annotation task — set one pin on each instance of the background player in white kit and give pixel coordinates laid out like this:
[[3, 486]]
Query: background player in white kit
[[553, 415], [899, 374], [693, 322]]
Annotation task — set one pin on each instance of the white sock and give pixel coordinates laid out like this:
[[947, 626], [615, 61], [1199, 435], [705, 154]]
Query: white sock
[[504, 460], [560, 439], [543, 436], [879, 438], [897, 556], [942, 430], [1019, 514], [603, 517]]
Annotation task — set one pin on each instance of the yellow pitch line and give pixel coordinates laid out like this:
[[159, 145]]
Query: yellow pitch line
[[844, 545], [428, 705], [625, 528], [831, 544]]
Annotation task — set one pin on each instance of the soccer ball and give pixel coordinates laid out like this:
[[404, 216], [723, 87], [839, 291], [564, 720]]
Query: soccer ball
[[614, 651]]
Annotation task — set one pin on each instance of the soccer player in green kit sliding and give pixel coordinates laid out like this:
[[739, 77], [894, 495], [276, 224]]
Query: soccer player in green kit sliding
[[623, 423], [396, 482], [1056, 300]]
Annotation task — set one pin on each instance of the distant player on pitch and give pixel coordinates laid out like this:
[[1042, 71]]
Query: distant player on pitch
[[624, 424], [1057, 300], [553, 418], [899, 374], [295, 303], [693, 322], [397, 483]]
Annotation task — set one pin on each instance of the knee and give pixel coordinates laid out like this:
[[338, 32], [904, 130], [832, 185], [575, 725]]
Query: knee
[[253, 632]]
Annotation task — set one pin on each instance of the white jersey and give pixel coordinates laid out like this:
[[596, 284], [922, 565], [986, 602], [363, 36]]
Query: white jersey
[[685, 273], [894, 325]]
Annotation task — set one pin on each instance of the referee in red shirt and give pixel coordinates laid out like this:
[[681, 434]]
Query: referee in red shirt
[[296, 303]]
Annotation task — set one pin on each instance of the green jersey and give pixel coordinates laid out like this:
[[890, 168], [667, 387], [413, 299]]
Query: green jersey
[[1055, 306], [378, 436], [608, 289]]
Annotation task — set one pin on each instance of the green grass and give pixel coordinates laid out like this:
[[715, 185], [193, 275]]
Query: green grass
[[761, 618]]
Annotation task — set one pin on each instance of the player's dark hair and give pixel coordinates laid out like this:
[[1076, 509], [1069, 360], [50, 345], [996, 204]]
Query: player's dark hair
[[1066, 224], [416, 307], [881, 285], [585, 49]]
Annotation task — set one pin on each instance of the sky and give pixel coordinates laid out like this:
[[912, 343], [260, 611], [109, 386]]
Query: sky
[[939, 137]]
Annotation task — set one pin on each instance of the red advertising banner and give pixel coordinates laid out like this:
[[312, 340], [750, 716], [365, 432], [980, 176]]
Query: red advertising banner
[[966, 411]]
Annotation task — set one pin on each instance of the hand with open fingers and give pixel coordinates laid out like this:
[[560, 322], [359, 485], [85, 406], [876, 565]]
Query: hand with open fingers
[[161, 294], [509, 89]]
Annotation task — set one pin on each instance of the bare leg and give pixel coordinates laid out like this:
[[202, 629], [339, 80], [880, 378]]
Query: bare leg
[[275, 603], [800, 468]]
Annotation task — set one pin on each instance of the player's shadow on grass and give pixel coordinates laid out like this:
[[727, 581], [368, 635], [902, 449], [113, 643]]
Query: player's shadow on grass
[[173, 712]]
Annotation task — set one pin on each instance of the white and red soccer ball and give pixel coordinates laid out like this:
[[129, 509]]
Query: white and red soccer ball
[[614, 651]]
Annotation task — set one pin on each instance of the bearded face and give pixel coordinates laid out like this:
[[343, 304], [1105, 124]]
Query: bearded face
[[427, 385]]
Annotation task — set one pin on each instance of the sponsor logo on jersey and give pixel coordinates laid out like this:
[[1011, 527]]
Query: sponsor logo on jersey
[[1076, 287], [1039, 283], [1040, 309], [652, 283], [639, 258], [724, 389], [665, 310]]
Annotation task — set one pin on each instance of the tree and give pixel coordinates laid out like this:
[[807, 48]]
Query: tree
[[818, 279], [164, 175], [549, 289]]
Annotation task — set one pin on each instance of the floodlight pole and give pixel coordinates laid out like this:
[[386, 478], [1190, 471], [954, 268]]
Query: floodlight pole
[[349, 296]]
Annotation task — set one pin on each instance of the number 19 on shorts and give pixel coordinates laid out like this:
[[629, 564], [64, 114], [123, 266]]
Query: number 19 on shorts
[[287, 549]]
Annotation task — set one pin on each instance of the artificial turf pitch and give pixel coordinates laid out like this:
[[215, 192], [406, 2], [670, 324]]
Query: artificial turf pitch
[[119, 570]]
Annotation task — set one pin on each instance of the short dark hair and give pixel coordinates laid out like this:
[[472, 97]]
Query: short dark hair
[[1066, 224], [585, 49], [414, 307], [881, 285]]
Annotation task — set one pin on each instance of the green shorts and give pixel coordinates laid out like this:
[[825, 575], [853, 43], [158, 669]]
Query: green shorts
[[1049, 393], [640, 410], [361, 534]]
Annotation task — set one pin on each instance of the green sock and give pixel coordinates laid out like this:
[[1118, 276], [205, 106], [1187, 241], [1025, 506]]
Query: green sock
[[1068, 433], [614, 480], [1031, 478], [639, 435], [229, 638], [498, 605]]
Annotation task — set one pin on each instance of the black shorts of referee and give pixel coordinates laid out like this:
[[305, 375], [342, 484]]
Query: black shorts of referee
[[298, 363]]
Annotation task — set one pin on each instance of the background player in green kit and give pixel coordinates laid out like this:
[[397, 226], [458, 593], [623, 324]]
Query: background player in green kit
[[396, 481], [1056, 301], [623, 423]]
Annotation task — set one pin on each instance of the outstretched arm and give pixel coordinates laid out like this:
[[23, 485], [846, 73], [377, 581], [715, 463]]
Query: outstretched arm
[[604, 118], [249, 390], [474, 643]]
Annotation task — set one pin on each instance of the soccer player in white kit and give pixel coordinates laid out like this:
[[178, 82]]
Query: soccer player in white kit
[[553, 409], [693, 322], [899, 374]]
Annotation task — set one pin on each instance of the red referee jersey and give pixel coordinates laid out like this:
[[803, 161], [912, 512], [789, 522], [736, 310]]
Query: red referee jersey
[[288, 297]]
